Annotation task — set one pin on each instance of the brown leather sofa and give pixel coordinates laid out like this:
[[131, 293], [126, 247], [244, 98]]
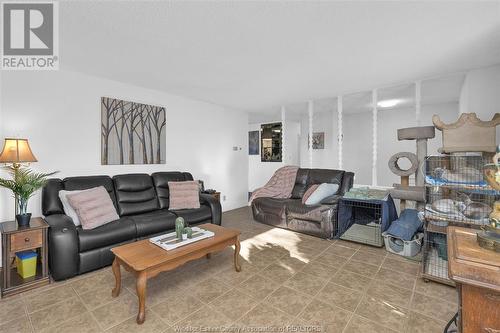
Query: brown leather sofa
[[317, 220]]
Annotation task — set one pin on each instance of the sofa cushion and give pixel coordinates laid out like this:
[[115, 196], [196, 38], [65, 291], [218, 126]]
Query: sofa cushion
[[300, 184], [160, 181], [114, 232], [135, 194], [154, 222], [272, 205], [195, 216], [87, 182], [319, 176], [297, 210]]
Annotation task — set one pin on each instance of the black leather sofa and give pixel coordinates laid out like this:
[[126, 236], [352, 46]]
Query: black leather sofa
[[317, 220], [141, 201]]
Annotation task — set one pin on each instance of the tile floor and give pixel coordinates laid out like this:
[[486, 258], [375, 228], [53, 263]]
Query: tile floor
[[287, 279]]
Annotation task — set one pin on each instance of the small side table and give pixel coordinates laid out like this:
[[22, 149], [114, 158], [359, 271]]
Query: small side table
[[216, 195], [16, 239]]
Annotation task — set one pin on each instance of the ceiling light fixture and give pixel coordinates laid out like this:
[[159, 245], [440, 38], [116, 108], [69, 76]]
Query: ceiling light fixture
[[388, 103]]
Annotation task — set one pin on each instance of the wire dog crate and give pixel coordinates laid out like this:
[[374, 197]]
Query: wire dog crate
[[364, 222], [456, 194]]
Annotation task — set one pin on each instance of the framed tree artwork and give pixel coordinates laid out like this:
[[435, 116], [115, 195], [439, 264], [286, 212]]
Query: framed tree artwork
[[132, 133]]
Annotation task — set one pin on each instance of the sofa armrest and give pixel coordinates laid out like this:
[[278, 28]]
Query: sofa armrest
[[214, 205], [63, 246], [331, 200]]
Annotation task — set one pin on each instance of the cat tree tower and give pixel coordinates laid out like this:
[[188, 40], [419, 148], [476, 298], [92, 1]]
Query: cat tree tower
[[404, 191]]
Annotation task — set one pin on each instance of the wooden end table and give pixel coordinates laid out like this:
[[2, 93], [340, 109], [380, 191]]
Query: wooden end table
[[16, 239], [146, 260]]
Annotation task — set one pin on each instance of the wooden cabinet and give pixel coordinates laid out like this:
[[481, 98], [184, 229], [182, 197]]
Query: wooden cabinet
[[476, 271], [15, 239]]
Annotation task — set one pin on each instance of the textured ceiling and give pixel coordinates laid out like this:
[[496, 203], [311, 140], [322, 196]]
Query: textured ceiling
[[256, 55]]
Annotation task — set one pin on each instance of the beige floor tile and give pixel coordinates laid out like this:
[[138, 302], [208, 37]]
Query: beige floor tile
[[408, 267], [278, 272], [152, 324], [98, 280], [437, 290], [233, 278], [265, 315], [83, 323], [291, 263], [342, 297], [303, 253], [234, 304], [361, 268], [46, 298], [392, 294], [368, 258], [331, 260], [433, 307], [419, 323], [351, 280], [319, 313], [209, 289], [258, 286], [288, 300], [396, 278], [340, 250], [306, 283], [382, 313], [373, 249], [176, 308], [352, 245], [320, 270], [358, 324], [59, 312], [96, 298], [117, 311], [207, 319], [18, 325], [11, 308]]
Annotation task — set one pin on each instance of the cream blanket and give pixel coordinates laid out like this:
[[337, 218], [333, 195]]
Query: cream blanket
[[279, 186]]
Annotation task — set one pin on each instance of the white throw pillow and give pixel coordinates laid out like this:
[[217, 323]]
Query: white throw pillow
[[68, 210], [323, 191]]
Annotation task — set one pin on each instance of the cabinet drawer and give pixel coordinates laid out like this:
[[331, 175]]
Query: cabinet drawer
[[26, 240], [480, 310]]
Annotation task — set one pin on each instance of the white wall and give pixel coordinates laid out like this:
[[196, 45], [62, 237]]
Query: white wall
[[260, 172], [322, 158], [481, 93], [59, 112], [357, 146]]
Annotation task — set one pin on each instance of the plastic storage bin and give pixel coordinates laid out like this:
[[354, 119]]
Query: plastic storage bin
[[402, 247], [26, 263]]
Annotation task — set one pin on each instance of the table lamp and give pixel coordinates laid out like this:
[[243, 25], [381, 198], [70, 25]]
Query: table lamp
[[16, 151]]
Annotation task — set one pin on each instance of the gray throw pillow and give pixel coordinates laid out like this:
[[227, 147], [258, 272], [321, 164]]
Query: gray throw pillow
[[324, 190]]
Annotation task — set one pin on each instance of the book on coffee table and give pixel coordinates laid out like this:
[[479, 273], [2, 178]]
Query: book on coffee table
[[170, 241]]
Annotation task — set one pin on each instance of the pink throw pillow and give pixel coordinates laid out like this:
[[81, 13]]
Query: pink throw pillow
[[184, 195], [309, 191], [93, 207]]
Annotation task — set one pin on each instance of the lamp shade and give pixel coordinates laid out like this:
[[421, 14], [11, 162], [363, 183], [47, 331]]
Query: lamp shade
[[16, 151]]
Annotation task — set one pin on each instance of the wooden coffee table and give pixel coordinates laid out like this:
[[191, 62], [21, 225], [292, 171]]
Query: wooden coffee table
[[146, 260]]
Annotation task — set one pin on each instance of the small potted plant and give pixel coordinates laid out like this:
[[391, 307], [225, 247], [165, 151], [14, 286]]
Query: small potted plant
[[24, 183]]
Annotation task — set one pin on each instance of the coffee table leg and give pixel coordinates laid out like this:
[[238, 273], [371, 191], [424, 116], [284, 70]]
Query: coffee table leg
[[237, 255], [141, 294], [118, 279]]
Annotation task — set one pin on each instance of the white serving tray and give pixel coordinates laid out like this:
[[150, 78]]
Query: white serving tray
[[169, 241]]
